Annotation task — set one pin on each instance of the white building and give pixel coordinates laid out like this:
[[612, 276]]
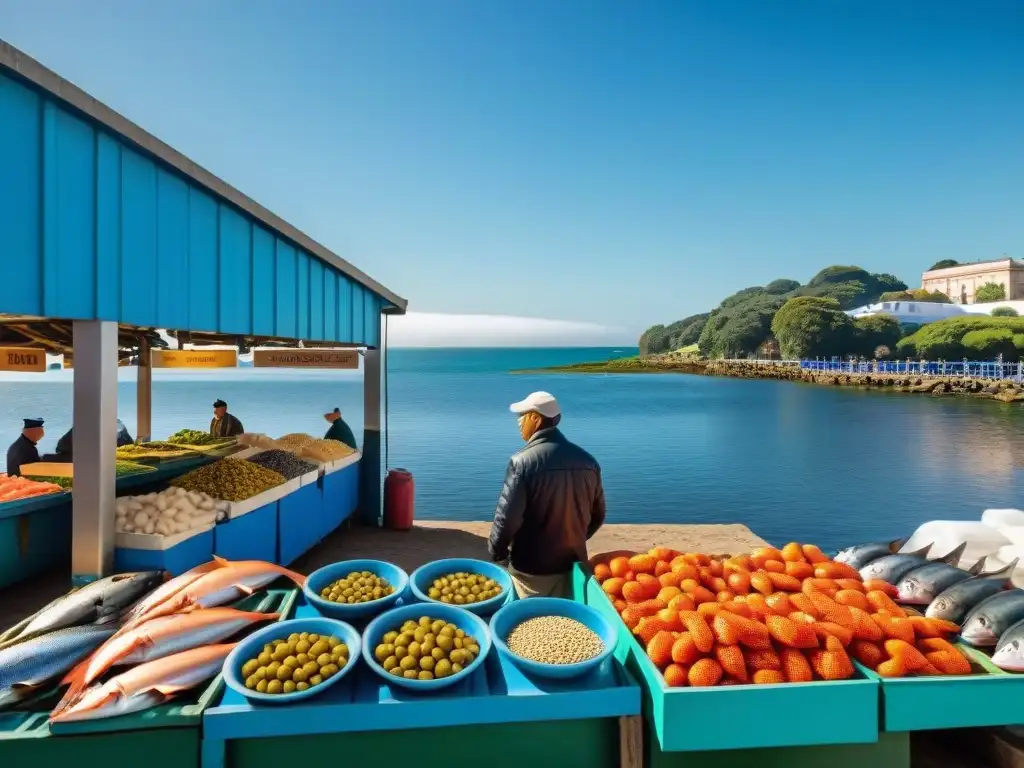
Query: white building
[[922, 312]]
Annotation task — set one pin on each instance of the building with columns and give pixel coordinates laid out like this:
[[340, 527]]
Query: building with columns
[[960, 282]]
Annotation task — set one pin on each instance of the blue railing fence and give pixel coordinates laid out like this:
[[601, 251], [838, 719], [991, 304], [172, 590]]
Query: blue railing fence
[[991, 369]]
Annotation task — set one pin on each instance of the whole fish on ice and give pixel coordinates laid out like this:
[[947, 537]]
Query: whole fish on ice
[[860, 555], [892, 567], [989, 619], [27, 666], [157, 638], [100, 600], [146, 685], [230, 582], [1009, 653], [921, 585], [954, 603]]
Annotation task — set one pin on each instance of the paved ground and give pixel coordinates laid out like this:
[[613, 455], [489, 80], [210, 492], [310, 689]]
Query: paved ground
[[427, 541]]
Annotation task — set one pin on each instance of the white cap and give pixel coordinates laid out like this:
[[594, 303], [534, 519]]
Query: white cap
[[543, 403]]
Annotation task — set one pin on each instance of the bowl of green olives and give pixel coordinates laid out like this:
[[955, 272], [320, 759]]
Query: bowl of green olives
[[355, 589], [474, 585], [291, 660]]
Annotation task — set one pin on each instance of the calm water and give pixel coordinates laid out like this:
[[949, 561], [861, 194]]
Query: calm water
[[789, 460]]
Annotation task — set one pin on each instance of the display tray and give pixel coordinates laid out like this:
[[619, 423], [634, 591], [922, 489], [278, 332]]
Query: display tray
[[788, 715], [989, 697], [35, 539], [196, 548], [278, 492], [338, 464], [169, 735], [33, 503], [498, 692]]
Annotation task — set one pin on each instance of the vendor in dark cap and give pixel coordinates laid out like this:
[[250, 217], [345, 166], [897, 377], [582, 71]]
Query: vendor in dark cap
[[339, 430], [23, 450], [224, 424]]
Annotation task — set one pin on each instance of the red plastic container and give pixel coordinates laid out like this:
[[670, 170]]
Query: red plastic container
[[399, 500]]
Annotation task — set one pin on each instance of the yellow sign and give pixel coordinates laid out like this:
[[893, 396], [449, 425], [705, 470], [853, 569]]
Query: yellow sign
[[22, 359], [195, 358], [305, 358]]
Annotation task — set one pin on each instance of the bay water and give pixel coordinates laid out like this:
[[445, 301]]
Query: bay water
[[792, 461]]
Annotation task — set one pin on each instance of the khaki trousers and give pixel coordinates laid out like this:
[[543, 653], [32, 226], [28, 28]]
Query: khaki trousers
[[558, 585]]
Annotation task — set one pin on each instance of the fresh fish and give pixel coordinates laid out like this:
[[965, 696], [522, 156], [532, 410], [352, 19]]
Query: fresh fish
[[146, 685], [956, 601], [169, 588], [160, 637], [860, 555], [921, 585], [27, 666], [1009, 653], [12, 632], [891, 568], [94, 602], [230, 582], [986, 622]]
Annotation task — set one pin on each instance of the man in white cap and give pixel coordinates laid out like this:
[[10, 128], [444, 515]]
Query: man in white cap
[[551, 504]]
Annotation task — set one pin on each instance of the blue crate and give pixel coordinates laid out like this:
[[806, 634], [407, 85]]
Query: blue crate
[[252, 536], [340, 496], [299, 523], [182, 557], [35, 536]]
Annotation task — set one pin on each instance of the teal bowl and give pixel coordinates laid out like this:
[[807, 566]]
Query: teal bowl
[[424, 576], [329, 574]]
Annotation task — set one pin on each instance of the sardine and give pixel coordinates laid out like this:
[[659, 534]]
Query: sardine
[[160, 637], [28, 666], [986, 622], [94, 602], [891, 568], [921, 585], [860, 555], [146, 685], [232, 581], [1009, 653], [956, 601]]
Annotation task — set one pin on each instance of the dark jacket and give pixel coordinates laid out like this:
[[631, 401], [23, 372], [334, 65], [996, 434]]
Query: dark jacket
[[551, 504], [342, 432], [22, 451], [229, 426], [65, 446]]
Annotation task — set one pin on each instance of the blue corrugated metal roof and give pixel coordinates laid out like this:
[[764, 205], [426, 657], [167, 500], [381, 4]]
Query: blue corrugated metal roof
[[101, 221]]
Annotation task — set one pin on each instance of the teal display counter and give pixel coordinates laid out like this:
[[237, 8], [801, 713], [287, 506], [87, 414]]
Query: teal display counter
[[35, 536]]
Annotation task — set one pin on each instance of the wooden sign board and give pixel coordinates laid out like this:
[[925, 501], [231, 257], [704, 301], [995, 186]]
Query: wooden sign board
[[22, 359], [347, 359], [194, 358]]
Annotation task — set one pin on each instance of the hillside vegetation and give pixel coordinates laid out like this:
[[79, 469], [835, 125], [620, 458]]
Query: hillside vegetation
[[974, 337], [743, 322]]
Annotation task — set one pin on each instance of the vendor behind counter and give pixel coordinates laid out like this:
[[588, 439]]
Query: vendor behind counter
[[65, 444]]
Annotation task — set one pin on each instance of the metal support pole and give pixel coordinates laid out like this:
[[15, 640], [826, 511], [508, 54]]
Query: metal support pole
[[95, 419], [144, 394], [370, 464]]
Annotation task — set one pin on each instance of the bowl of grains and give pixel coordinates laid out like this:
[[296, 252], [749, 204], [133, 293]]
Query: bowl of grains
[[552, 637]]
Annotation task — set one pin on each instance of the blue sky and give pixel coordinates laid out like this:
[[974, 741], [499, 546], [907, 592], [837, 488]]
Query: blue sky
[[617, 163]]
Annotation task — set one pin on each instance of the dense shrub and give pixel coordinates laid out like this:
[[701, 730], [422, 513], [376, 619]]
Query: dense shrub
[[668, 338], [1004, 312], [874, 331], [989, 292], [989, 343], [812, 326], [917, 294], [948, 339], [944, 264]]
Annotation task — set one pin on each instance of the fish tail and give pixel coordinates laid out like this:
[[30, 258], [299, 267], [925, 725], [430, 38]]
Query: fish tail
[[298, 578]]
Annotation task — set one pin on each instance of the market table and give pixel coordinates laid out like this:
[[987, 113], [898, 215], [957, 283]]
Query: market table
[[498, 716]]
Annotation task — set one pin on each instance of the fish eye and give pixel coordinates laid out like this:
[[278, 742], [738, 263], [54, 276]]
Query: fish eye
[[1016, 644], [983, 621]]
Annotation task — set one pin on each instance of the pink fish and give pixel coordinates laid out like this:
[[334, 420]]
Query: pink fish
[[169, 588], [157, 638], [224, 584], [146, 685]]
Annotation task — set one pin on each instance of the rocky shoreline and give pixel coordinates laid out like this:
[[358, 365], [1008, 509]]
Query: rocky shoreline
[[936, 386]]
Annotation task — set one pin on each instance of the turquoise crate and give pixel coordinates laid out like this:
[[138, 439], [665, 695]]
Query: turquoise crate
[[167, 736], [183, 556], [35, 536], [787, 715], [252, 536], [497, 693], [990, 697]]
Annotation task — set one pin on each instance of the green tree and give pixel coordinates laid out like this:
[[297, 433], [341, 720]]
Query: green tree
[[874, 331], [989, 292], [952, 339], [917, 294], [1004, 312], [944, 264], [813, 326]]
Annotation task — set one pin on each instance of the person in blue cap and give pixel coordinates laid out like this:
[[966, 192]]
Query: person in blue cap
[[339, 430], [23, 450]]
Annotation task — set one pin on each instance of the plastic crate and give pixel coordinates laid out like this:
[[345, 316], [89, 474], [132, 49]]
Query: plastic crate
[[176, 558], [35, 536]]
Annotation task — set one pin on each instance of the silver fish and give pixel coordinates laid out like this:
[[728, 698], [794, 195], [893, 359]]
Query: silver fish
[[953, 603], [1009, 653], [921, 585], [891, 568], [987, 621], [860, 555], [27, 666], [100, 601]]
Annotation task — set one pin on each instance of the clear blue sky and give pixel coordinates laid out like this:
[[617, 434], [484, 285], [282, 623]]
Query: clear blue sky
[[617, 162]]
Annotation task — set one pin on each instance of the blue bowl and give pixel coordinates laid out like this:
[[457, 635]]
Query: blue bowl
[[251, 646], [393, 619], [515, 613], [424, 576], [329, 574]]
